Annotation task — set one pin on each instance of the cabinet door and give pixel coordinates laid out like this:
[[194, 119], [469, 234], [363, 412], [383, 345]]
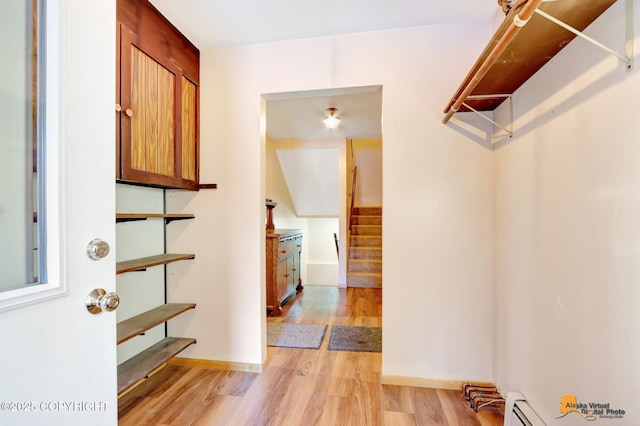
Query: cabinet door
[[158, 131], [190, 147], [283, 280], [290, 273], [295, 259]]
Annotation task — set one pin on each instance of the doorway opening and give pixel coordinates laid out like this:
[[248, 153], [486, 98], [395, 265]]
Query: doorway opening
[[308, 171]]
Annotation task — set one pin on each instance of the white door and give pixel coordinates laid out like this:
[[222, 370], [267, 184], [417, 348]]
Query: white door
[[58, 361]]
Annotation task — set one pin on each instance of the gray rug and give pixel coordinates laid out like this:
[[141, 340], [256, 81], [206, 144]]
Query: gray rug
[[291, 335], [355, 339]]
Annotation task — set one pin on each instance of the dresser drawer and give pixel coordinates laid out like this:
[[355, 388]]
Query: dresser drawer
[[289, 246]]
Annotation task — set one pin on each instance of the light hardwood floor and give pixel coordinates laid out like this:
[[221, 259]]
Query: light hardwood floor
[[300, 386]]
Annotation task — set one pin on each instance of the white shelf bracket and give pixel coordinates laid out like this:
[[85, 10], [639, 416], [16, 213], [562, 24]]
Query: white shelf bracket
[[628, 59], [509, 130]]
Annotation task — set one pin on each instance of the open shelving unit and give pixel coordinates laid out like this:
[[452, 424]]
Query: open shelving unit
[[143, 263], [144, 363], [137, 325], [532, 33], [140, 366], [168, 218]]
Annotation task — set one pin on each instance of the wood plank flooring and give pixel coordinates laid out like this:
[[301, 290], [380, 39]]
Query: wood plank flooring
[[300, 386]]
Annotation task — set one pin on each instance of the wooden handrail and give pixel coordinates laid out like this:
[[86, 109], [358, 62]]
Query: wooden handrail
[[353, 196]]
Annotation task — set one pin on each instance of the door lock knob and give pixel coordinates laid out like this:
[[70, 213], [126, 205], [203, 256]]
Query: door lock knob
[[99, 300], [97, 249]]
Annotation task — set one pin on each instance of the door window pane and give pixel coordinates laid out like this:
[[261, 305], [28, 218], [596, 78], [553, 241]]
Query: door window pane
[[21, 210]]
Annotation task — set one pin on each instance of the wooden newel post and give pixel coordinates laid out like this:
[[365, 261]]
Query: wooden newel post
[[270, 205]]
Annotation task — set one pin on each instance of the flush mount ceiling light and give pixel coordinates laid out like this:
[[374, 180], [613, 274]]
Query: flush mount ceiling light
[[331, 121]]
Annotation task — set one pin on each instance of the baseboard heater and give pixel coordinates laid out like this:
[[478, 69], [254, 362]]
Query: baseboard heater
[[518, 412]]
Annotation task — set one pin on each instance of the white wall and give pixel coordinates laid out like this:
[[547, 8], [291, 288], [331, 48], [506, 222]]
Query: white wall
[[438, 236], [322, 264], [319, 262], [567, 234], [311, 175], [368, 157], [141, 290]]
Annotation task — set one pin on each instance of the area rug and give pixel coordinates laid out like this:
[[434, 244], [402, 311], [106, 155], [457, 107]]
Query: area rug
[[293, 335], [355, 339]]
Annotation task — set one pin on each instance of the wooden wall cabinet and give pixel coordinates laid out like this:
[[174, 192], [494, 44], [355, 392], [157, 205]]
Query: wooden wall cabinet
[[284, 247], [157, 99]]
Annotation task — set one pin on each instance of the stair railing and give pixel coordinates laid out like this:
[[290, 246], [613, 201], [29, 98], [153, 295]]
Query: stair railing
[[353, 197]]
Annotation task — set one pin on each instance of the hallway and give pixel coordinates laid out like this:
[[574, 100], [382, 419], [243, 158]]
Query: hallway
[[300, 386]]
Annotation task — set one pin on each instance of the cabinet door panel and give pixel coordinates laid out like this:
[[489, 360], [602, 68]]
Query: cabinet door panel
[[149, 120], [152, 122], [290, 274], [166, 118], [138, 108], [296, 268], [283, 280], [150, 137], [189, 130]]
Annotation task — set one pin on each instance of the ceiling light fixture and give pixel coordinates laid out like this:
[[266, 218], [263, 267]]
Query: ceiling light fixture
[[331, 121]]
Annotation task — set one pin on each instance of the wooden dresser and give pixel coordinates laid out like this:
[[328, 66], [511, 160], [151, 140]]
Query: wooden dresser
[[283, 267]]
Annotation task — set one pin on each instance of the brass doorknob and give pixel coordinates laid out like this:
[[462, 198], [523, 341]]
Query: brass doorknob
[[118, 108], [129, 112]]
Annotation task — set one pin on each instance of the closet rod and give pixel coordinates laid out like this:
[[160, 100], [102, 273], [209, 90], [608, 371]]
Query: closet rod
[[519, 21]]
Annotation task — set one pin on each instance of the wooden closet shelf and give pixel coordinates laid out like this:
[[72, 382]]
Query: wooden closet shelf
[[140, 366], [208, 186], [168, 218], [147, 262], [137, 325], [521, 55]]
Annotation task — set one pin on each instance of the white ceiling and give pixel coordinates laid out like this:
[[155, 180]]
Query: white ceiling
[[219, 23], [216, 23], [299, 115]]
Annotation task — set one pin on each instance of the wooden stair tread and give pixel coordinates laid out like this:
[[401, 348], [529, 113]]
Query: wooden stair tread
[[147, 262], [139, 367], [134, 326], [366, 260], [365, 274], [370, 249]]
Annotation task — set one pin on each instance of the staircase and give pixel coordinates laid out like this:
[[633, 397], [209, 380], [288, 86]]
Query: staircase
[[364, 267]]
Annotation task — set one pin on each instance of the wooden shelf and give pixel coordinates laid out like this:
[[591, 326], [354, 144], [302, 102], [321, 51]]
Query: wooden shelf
[[147, 262], [140, 323], [208, 186], [168, 218], [532, 47], [137, 368]]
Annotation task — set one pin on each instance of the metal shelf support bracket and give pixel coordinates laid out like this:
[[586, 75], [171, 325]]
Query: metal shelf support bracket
[[627, 58], [509, 129]]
